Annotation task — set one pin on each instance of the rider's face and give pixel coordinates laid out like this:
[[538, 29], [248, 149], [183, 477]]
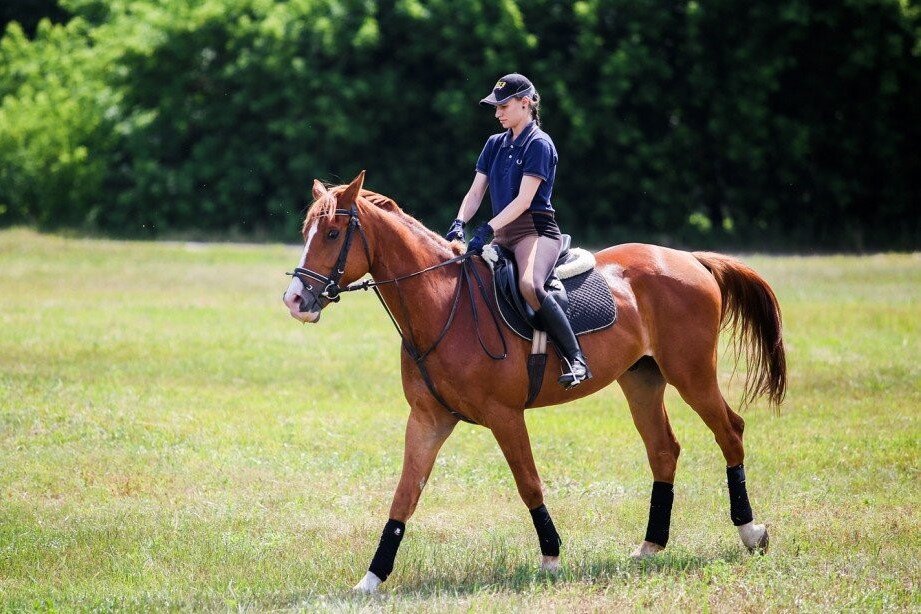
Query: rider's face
[[513, 113]]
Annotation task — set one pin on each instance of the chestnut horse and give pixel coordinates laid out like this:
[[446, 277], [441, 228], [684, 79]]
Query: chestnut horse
[[671, 307]]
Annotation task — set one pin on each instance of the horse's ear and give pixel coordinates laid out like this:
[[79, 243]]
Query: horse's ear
[[319, 190], [351, 193]]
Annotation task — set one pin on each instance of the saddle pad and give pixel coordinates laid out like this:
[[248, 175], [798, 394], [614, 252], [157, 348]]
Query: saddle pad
[[591, 306]]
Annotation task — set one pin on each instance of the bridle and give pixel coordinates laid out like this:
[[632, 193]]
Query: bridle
[[331, 292], [330, 283]]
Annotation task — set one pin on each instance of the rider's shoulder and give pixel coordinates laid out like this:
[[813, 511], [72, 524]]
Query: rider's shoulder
[[540, 135], [541, 145]]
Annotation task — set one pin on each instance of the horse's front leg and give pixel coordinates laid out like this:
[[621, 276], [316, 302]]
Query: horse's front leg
[[426, 431], [511, 433]]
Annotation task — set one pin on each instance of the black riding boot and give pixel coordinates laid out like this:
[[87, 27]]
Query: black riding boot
[[560, 331]]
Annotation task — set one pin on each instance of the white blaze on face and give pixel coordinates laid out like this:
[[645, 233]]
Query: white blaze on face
[[292, 294]]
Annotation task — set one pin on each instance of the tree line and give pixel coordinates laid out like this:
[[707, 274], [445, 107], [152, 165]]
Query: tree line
[[791, 124]]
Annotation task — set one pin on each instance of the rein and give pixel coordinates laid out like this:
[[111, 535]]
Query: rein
[[332, 293]]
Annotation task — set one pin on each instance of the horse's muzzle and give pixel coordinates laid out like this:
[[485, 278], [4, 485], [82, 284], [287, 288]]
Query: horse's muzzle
[[301, 302]]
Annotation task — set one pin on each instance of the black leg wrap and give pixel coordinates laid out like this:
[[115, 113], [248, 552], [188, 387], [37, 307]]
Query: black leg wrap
[[546, 533], [660, 513], [382, 563], [739, 508]]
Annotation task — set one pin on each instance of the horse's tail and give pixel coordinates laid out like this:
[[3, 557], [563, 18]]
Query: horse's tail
[[750, 309]]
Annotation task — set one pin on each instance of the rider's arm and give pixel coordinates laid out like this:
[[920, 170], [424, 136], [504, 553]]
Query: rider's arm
[[473, 198], [529, 185]]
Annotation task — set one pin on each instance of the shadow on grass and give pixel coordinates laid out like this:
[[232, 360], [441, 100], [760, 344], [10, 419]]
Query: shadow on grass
[[526, 577]]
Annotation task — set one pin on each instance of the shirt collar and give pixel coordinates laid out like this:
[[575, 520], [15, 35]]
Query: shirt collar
[[532, 125]]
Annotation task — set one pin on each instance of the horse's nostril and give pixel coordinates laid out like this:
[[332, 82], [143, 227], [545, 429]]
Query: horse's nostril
[[293, 302]]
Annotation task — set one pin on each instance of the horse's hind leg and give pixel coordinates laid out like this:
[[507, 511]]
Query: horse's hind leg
[[696, 382], [644, 387]]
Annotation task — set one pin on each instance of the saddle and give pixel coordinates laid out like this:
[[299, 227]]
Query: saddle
[[582, 292], [580, 289]]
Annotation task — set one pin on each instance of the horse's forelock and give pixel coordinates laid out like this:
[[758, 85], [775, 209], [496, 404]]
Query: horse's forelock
[[325, 206]]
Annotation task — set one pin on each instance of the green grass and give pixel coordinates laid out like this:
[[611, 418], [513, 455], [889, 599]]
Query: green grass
[[171, 438]]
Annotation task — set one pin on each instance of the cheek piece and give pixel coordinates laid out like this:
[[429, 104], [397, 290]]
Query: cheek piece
[[739, 508], [660, 513], [382, 563], [546, 533]]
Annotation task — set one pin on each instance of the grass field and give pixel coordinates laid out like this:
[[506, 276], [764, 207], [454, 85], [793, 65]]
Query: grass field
[[171, 438]]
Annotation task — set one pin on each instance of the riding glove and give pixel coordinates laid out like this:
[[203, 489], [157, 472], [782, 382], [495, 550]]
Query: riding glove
[[456, 231], [481, 236]]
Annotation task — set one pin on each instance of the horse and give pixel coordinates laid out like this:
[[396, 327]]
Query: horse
[[671, 307]]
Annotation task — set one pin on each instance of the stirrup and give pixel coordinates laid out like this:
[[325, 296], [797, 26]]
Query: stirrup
[[575, 376]]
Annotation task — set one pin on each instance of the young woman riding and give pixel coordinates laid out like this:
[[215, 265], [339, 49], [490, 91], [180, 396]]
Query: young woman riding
[[518, 167]]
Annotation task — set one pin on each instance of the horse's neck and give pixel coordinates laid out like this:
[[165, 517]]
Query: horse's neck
[[399, 249], [420, 304]]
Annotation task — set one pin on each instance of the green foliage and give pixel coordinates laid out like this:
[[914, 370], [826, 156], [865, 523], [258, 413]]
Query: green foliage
[[705, 122], [55, 140]]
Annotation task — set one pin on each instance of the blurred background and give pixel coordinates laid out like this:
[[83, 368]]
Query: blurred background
[[788, 125]]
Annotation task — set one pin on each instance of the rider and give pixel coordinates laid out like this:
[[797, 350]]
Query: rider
[[519, 167]]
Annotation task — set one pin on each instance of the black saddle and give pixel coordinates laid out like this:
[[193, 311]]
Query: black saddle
[[585, 298]]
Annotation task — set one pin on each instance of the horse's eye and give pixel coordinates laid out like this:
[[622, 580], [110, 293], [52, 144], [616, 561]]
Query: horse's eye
[[332, 234]]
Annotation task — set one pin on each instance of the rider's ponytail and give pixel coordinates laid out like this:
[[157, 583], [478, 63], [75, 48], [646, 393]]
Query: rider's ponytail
[[535, 107]]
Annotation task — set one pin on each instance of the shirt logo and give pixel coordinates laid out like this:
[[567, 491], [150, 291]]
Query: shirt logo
[[499, 85]]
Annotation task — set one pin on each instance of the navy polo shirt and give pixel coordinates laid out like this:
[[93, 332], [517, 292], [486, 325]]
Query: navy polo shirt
[[505, 161]]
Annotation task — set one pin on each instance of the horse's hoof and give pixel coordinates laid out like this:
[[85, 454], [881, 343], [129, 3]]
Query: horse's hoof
[[762, 546], [646, 550], [755, 537], [550, 564], [368, 584]]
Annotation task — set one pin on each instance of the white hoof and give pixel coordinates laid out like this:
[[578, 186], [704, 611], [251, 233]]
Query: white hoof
[[754, 536], [368, 584], [646, 550], [550, 564]]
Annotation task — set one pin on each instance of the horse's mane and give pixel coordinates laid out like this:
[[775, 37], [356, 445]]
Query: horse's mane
[[325, 206]]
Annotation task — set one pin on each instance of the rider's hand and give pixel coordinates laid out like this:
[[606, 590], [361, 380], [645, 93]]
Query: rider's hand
[[456, 231], [481, 236]]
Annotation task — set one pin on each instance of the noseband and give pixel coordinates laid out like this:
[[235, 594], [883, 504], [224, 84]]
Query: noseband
[[330, 283]]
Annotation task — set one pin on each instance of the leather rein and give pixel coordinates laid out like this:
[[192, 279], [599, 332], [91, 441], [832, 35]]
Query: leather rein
[[331, 292]]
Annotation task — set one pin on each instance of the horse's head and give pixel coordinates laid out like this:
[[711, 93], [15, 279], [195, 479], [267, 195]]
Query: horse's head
[[335, 250]]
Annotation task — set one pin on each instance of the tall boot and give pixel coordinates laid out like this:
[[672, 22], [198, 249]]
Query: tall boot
[[558, 328]]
